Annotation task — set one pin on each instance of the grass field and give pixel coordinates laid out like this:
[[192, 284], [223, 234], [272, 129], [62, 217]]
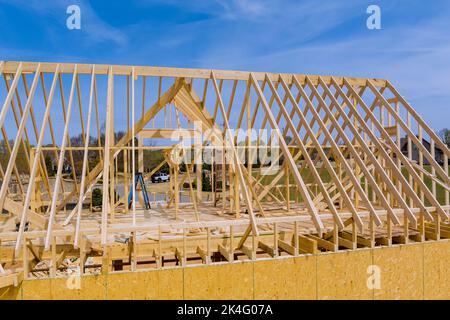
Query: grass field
[[308, 178]]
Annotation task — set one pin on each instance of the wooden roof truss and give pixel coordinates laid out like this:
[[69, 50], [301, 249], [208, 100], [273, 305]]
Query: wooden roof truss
[[340, 146]]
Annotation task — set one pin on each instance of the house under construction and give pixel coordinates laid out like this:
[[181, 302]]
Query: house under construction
[[305, 189]]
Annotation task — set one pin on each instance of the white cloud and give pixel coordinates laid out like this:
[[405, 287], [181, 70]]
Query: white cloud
[[414, 56], [283, 36], [245, 9], [95, 29]]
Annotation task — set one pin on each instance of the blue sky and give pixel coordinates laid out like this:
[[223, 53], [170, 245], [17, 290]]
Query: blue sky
[[313, 37]]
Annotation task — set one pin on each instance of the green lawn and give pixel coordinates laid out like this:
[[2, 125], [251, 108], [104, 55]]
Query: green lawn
[[440, 191]]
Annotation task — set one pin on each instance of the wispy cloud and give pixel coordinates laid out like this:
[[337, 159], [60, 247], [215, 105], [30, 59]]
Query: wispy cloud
[[245, 9], [95, 29], [309, 36], [333, 39]]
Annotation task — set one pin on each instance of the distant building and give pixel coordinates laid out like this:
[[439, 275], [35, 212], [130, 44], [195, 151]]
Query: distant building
[[438, 153]]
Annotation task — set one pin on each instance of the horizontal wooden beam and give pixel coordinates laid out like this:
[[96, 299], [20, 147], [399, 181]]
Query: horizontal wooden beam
[[168, 133], [102, 69], [120, 228], [16, 208]]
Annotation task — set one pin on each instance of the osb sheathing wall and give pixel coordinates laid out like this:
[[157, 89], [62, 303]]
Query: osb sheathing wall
[[413, 271]]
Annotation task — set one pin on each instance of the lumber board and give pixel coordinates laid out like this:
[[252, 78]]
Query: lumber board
[[36, 219]]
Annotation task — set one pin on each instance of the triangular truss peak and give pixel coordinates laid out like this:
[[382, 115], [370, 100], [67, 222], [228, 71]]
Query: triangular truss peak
[[270, 163]]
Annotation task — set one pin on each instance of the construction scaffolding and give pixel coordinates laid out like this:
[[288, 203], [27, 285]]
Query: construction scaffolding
[[346, 163]]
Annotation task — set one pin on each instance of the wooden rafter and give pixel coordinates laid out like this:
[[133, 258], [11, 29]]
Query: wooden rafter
[[360, 167]]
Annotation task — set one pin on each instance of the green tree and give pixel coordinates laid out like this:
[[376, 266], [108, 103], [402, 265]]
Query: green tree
[[206, 183], [49, 166], [97, 197]]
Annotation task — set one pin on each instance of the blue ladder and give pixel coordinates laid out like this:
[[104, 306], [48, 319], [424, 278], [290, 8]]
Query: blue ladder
[[138, 178]]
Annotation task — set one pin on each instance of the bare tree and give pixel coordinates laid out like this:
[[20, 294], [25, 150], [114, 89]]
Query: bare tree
[[444, 134]]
